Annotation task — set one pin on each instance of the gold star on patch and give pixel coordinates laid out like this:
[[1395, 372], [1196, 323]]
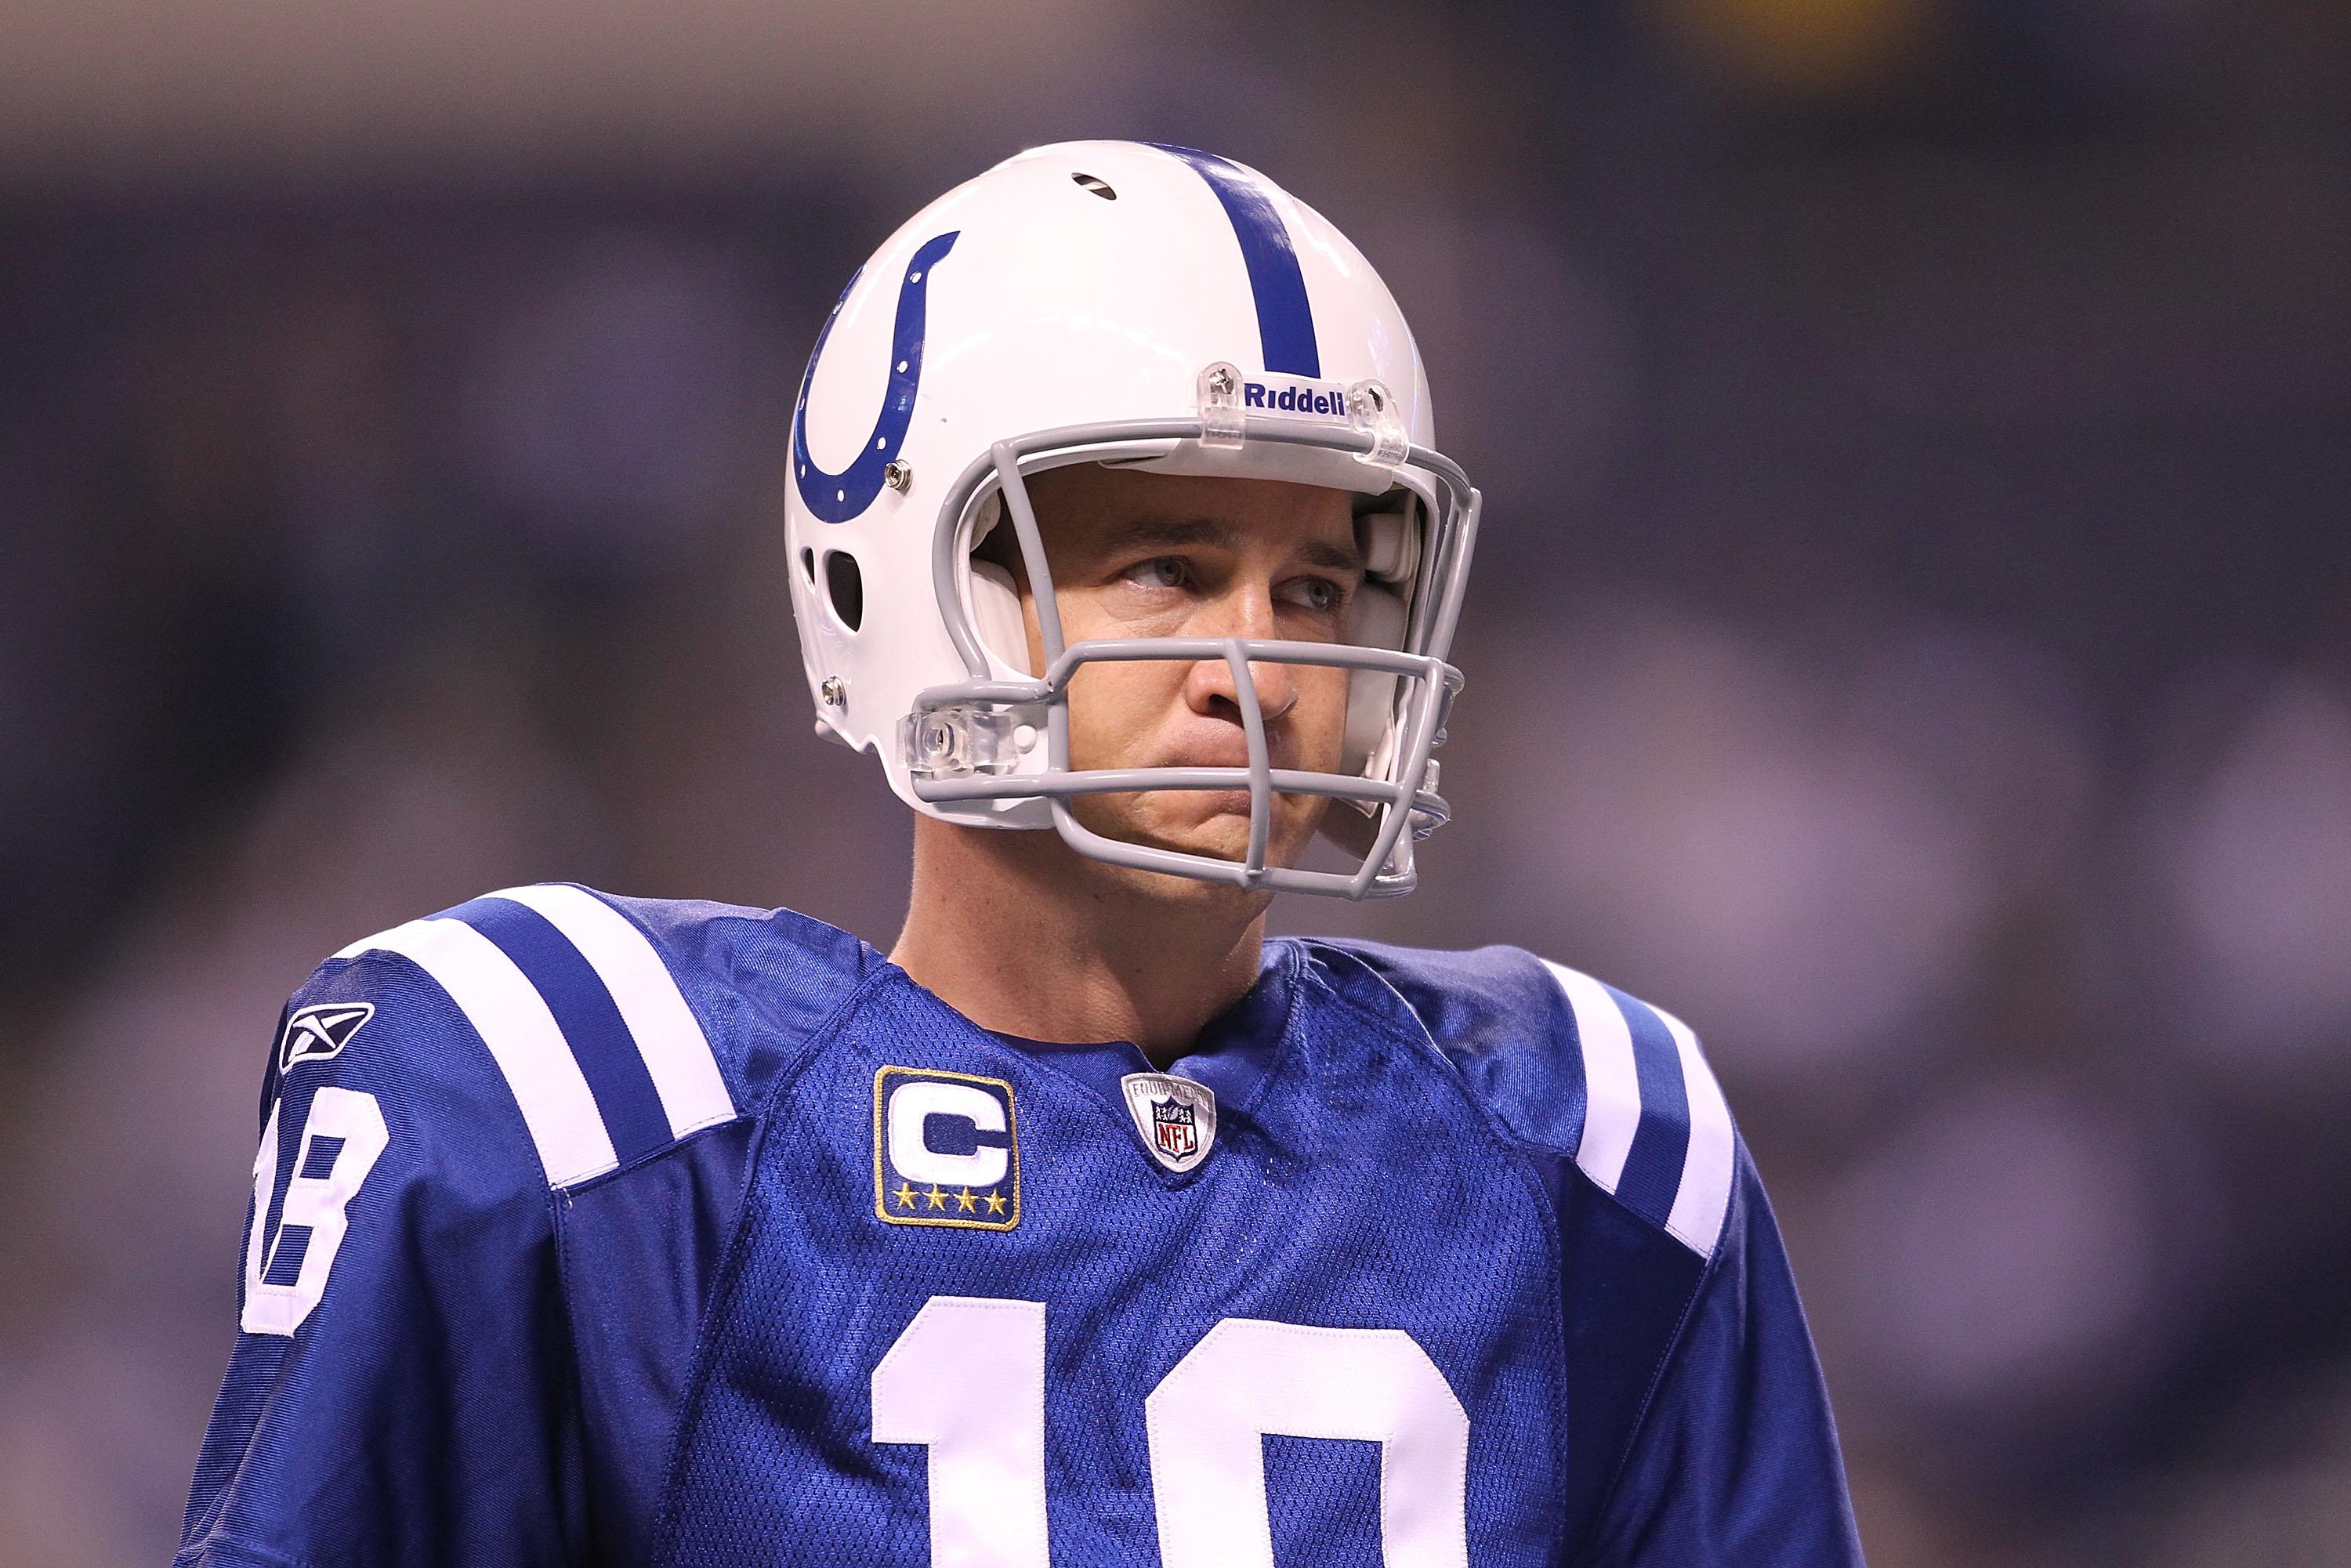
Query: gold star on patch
[[938, 1199], [904, 1194], [964, 1201], [995, 1203]]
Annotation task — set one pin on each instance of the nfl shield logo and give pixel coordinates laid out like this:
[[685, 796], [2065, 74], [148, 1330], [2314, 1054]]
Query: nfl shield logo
[[1179, 1134], [1177, 1117]]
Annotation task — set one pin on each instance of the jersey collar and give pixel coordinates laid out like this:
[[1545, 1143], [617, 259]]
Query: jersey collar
[[1234, 1053]]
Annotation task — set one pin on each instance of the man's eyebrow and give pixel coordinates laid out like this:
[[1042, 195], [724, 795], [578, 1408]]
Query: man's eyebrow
[[1179, 531], [1175, 531], [1338, 558]]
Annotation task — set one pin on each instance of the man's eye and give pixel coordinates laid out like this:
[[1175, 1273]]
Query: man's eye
[[1316, 593], [1162, 571]]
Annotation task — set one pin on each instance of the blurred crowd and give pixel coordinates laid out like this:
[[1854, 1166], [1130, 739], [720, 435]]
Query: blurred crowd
[[1911, 641]]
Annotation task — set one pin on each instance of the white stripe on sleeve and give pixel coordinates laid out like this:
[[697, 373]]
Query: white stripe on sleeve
[[1706, 1170], [670, 1039], [1612, 1088], [505, 1010]]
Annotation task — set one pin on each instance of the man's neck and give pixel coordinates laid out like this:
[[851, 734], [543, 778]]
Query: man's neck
[[1021, 935]]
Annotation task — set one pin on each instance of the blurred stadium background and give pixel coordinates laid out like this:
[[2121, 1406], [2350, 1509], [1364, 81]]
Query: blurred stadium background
[[1912, 638]]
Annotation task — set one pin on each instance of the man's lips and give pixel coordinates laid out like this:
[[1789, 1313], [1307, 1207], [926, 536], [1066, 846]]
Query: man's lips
[[1222, 752]]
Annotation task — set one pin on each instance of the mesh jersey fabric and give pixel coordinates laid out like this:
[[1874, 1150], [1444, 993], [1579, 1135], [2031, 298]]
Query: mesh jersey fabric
[[672, 1359]]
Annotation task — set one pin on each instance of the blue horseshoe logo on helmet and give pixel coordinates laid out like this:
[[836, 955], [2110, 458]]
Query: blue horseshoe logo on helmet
[[837, 498]]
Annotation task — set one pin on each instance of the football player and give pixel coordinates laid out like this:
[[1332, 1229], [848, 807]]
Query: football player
[[1089, 1225]]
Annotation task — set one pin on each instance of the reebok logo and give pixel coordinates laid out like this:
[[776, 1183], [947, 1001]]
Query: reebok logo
[[316, 1033]]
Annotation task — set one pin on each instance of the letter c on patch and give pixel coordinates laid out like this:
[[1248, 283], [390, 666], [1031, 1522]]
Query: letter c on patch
[[912, 1103]]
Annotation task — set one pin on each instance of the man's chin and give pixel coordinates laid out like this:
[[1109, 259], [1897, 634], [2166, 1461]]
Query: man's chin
[[1215, 825], [1223, 836]]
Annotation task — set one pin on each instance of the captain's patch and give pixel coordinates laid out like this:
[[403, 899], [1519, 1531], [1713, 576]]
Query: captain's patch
[[1177, 1117], [947, 1150]]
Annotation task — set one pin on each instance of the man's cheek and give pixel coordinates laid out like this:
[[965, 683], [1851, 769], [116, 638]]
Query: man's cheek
[[1109, 713], [1324, 730]]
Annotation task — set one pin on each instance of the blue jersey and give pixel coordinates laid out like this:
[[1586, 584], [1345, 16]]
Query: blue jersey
[[589, 1230]]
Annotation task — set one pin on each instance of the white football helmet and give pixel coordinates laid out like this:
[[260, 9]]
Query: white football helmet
[[1120, 303]]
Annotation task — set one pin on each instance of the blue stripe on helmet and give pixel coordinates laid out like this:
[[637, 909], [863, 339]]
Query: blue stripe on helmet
[[837, 498], [1285, 321]]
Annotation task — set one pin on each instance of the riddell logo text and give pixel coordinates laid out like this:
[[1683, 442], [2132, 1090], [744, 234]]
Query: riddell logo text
[[1294, 399]]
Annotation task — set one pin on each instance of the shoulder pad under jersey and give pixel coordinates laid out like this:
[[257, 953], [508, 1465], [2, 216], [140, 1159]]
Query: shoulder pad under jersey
[[1569, 1064], [622, 1025]]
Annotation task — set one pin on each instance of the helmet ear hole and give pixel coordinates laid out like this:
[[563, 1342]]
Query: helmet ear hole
[[807, 564], [844, 585]]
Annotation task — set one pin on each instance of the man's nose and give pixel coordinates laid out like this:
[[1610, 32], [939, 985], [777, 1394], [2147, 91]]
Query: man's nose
[[1248, 612]]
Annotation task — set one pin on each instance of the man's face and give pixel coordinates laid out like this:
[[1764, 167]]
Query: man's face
[[1157, 555]]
